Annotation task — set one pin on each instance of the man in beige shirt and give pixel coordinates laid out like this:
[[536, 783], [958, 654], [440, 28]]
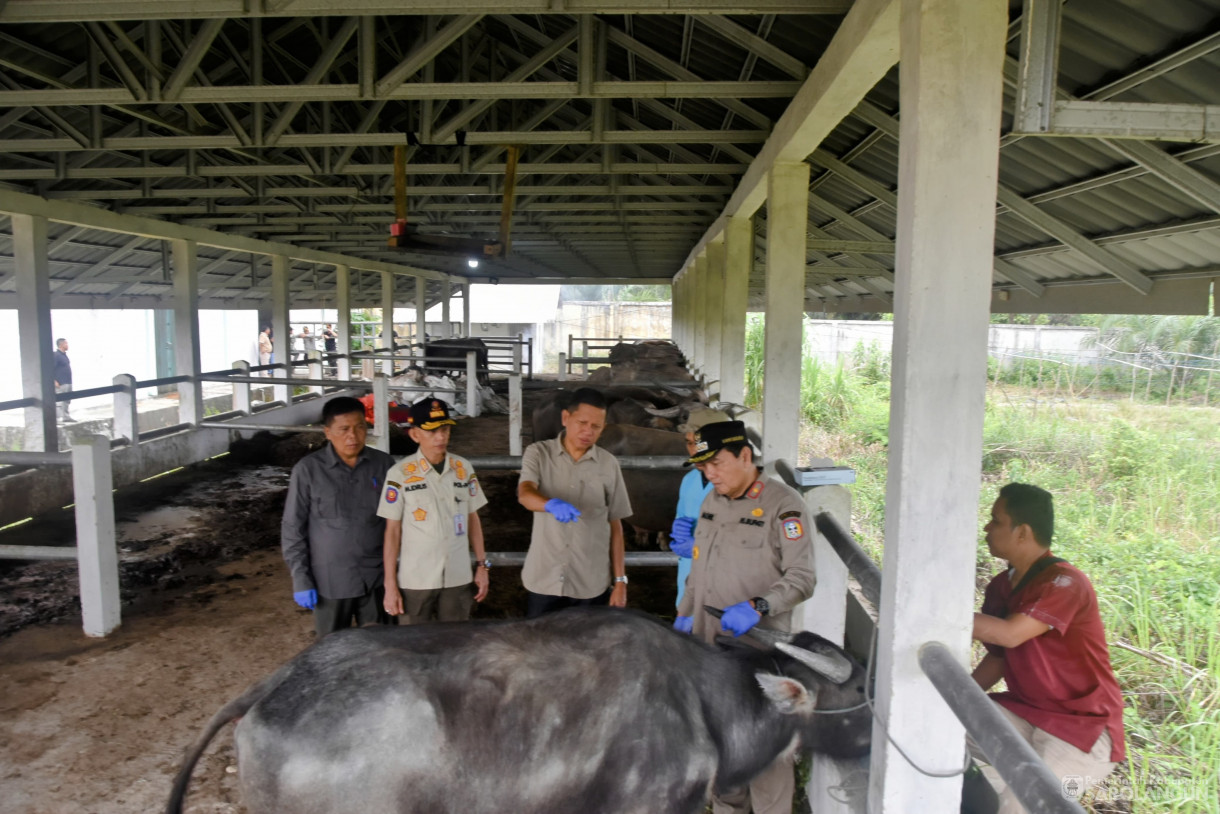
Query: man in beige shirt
[[431, 502], [578, 495], [752, 557]]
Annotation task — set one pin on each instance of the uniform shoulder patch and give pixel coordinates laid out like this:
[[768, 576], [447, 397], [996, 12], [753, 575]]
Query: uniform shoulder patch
[[474, 486], [755, 490], [793, 530], [393, 483], [391, 495], [786, 515]]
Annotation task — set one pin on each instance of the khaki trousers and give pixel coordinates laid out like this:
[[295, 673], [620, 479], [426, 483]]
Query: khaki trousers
[[437, 604], [1078, 771], [769, 793]]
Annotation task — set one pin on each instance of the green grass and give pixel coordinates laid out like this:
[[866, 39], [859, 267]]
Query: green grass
[[1136, 487]]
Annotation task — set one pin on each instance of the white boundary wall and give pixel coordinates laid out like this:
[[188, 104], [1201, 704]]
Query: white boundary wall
[[830, 340]]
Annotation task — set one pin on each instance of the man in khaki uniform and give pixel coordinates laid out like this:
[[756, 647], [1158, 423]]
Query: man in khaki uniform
[[430, 502], [752, 557], [577, 493]]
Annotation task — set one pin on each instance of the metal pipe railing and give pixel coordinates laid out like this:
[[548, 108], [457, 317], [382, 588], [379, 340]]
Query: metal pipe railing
[[1030, 779], [21, 458], [642, 559], [859, 564], [18, 403], [663, 462]]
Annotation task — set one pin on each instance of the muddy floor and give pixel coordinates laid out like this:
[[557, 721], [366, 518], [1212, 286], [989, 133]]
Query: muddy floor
[[98, 726]]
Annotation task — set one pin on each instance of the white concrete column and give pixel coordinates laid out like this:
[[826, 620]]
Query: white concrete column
[[738, 262], [446, 295], [126, 417], [381, 413], [466, 309], [96, 555], [387, 320], [951, 62], [186, 329], [675, 310], [280, 326], [421, 309], [343, 326], [714, 274], [241, 390], [472, 384], [514, 414], [315, 370], [699, 306], [787, 216], [34, 331]]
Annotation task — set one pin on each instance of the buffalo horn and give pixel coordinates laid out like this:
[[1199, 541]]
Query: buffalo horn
[[671, 412], [834, 666]]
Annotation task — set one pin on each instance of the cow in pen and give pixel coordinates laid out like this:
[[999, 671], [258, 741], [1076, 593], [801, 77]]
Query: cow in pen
[[589, 710]]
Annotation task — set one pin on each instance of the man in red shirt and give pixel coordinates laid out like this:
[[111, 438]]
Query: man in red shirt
[[1044, 636]]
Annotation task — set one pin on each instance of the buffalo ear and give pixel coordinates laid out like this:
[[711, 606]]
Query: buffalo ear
[[789, 695]]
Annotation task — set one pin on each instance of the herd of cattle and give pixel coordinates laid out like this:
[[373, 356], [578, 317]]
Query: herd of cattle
[[584, 710]]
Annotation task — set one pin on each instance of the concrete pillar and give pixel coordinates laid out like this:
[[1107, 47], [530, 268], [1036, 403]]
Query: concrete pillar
[[241, 390], [421, 308], [186, 329], [472, 384], [387, 320], [466, 309], [34, 331], [343, 327], [514, 414], [714, 274], [126, 417], [315, 370], [787, 216], [699, 307], [738, 262], [675, 310], [952, 55], [280, 327], [96, 555], [446, 295], [381, 413]]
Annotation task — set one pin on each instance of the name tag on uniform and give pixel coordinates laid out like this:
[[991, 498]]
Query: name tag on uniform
[[459, 524]]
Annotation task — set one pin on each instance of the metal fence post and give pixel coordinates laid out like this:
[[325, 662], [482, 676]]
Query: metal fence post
[[514, 414], [241, 390], [381, 413], [315, 370], [126, 418], [97, 557], [563, 366], [472, 384], [517, 356]]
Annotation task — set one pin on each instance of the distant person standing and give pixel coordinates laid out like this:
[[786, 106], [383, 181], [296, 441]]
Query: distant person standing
[[63, 378], [331, 534], [330, 341], [264, 348]]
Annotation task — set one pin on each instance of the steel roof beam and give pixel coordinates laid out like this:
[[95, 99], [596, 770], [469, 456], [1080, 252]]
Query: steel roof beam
[[425, 53], [755, 44], [1030, 213]]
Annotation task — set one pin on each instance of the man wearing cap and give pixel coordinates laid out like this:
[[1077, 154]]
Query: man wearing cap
[[695, 487], [752, 557], [330, 533], [577, 493], [431, 502]]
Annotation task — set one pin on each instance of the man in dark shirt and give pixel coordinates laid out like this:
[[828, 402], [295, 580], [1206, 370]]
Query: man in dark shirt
[[63, 378], [330, 343], [331, 534]]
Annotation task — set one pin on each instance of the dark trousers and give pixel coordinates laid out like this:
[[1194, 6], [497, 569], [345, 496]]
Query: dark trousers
[[538, 604], [438, 604], [336, 614]]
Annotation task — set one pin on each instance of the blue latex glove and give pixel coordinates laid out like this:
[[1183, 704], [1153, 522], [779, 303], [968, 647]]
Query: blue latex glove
[[739, 618], [683, 624], [564, 512], [306, 599], [682, 536]]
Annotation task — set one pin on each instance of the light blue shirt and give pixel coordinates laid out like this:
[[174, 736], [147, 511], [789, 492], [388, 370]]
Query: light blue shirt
[[690, 498]]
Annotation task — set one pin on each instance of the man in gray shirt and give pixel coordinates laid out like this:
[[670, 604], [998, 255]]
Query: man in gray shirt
[[331, 534]]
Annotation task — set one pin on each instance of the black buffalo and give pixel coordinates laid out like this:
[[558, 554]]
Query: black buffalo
[[586, 710], [449, 356]]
